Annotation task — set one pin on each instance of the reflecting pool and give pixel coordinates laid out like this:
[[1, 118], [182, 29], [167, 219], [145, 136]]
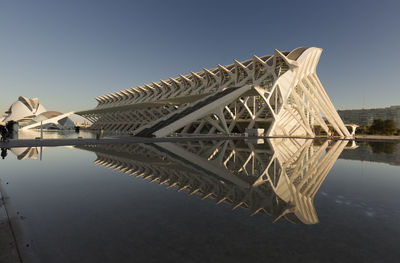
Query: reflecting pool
[[279, 200]]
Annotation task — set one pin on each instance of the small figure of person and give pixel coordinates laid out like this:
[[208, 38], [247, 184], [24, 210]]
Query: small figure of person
[[4, 133], [3, 153], [98, 134]]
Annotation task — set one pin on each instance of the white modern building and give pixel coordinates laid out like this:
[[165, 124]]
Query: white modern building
[[367, 116], [280, 93], [24, 110], [29, 113]]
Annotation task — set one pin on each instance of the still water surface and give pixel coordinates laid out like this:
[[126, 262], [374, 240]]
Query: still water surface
[[218, 201]]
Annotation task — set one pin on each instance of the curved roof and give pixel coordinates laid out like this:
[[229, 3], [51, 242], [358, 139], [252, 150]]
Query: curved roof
[[296, 53], [31, 104], [50, 114], [24, 108]]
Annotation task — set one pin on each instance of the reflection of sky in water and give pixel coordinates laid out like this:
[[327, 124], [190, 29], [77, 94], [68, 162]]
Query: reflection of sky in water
[[367, 189], [75, 211], [48, 134]]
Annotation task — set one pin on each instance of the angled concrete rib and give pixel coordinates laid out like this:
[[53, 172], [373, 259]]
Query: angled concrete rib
[[280, 93]]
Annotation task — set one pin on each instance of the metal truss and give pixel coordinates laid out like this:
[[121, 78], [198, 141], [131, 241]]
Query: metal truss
[[280, 93], [279, 178]]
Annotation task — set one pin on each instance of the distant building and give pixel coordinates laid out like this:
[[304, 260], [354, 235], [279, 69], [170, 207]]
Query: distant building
[[27, 111], [24, 110], [367, 116]]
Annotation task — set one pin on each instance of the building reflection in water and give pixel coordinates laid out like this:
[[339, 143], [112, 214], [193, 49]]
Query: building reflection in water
[[279, 177], [27, 152]]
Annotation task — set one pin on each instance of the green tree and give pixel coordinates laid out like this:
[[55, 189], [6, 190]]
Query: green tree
[[363, 129], [389, 127], [377, 127]]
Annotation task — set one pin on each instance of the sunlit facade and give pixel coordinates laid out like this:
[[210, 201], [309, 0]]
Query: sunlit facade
[[279, 94], [24, 110], [29, 113]]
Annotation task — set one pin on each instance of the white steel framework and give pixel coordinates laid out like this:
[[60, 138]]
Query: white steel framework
[[280, 93]]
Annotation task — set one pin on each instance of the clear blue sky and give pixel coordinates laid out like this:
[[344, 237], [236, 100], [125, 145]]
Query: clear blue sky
[[68, 52]]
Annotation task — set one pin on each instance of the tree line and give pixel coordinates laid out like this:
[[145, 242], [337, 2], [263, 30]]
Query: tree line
[[380, 127]]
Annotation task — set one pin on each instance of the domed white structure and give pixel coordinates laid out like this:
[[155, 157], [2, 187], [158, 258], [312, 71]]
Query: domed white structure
[[29, 112], [24, 109]]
